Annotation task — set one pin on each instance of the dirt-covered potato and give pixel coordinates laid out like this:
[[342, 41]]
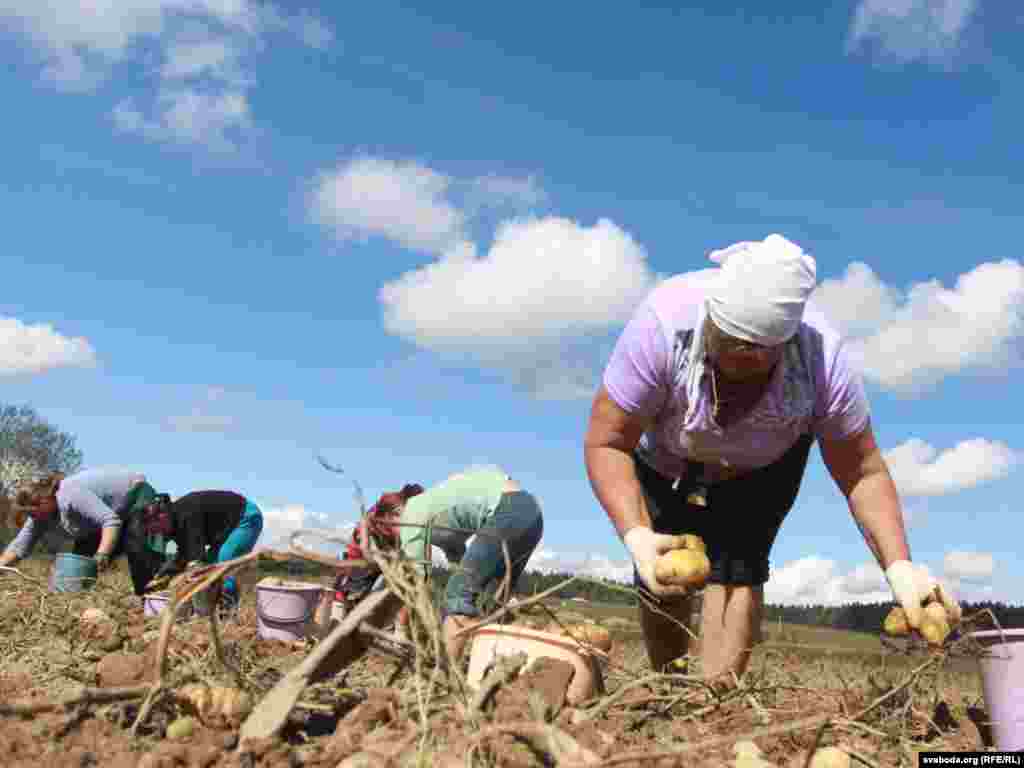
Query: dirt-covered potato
[[216, 701], [592, 634], [692, 541], [896, 622], [935, 623], [683, 567]]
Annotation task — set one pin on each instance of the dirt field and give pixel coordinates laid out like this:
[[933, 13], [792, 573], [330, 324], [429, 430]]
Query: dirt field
[[379, 712]]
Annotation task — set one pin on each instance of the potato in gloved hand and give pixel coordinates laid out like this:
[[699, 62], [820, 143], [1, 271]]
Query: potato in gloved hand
[[934, 622], [687, 567]]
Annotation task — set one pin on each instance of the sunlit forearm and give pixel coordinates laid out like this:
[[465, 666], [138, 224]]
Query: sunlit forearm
[[875, 506]]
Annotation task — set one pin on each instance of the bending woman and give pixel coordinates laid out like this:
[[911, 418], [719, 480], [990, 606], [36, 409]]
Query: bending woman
[[485, 504], [90, 507], [710, 403], [206, 527]]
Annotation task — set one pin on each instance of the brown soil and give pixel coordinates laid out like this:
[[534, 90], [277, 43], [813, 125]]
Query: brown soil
[[370, 713]]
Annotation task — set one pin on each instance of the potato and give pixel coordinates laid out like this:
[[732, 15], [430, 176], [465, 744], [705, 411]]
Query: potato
[[896, 622], [220, 701], [589, 634], [935, 623], [830, 757], [692, 541], [594, 635], [683, 567], [181, 728]]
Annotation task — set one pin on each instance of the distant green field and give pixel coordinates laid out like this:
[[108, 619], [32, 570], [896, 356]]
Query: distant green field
[[808, 643]]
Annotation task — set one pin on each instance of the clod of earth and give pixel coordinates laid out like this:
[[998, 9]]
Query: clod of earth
[[122, 669], [93, 616]]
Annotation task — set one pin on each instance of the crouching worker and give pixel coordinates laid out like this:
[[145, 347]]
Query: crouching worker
[[483, 504], [90, 507], [207, 527], [352, 585]]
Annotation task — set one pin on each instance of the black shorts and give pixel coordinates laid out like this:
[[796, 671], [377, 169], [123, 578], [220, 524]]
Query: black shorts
[[742, 516]]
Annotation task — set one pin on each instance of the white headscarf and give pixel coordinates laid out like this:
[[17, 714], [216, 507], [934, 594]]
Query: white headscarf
[[758, 295]]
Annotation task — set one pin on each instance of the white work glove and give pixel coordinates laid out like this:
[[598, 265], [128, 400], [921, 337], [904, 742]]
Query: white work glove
[[645, 546], [911, 584]]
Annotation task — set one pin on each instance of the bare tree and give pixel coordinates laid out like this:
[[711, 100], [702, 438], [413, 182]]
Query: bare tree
[[25, 435], [30, 446]]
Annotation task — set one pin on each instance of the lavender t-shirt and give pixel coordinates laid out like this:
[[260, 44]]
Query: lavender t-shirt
[[816, 389]]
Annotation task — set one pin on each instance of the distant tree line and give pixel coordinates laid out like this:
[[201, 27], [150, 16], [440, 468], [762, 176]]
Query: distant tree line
[[868, 617]]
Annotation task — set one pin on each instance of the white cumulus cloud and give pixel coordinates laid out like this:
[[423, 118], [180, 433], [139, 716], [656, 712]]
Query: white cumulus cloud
[[906, 30], [191, 116], [593, 564], [541, 278], [814, 580], [403, 201], [908, 340], [919, 469], [533, 306], [32, 349], [200, 85], [976, 568], [280, 522], [410, 204]]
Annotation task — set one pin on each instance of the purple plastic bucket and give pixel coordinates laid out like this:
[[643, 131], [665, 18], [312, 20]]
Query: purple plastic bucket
[[154, 604], [1002, 678], [286, 610]]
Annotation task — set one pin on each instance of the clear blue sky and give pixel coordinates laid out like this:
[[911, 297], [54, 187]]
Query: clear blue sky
[[406, 235]]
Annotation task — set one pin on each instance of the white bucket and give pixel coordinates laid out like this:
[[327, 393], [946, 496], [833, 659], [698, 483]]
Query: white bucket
[[286, 610], [496, 640]]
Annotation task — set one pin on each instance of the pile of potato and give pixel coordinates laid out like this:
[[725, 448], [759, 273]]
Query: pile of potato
[[686, 567], [934, 628]]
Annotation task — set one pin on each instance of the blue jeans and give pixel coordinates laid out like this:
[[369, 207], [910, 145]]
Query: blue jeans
[[241, 542], [519, 521]]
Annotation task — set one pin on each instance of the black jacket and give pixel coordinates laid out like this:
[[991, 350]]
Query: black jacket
[[204, 519]]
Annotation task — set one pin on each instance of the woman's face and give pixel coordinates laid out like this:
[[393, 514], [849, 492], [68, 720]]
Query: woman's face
[[740, 360], [45, 508], [387, 523]]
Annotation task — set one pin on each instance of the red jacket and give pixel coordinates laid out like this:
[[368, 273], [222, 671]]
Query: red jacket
[[355, 582]]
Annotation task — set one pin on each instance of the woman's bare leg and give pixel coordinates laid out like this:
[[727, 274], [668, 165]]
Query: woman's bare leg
[[664, 638], [730, 627]]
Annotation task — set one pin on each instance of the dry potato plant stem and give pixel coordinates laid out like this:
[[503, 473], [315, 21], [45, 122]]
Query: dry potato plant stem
[[183, 589], [342, 646], [83, 696]]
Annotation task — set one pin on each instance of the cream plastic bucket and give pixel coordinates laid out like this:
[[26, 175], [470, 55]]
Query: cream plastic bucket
[[496, 640]]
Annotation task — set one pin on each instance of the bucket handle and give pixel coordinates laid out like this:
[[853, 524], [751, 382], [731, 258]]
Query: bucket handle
[[308, 615]]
